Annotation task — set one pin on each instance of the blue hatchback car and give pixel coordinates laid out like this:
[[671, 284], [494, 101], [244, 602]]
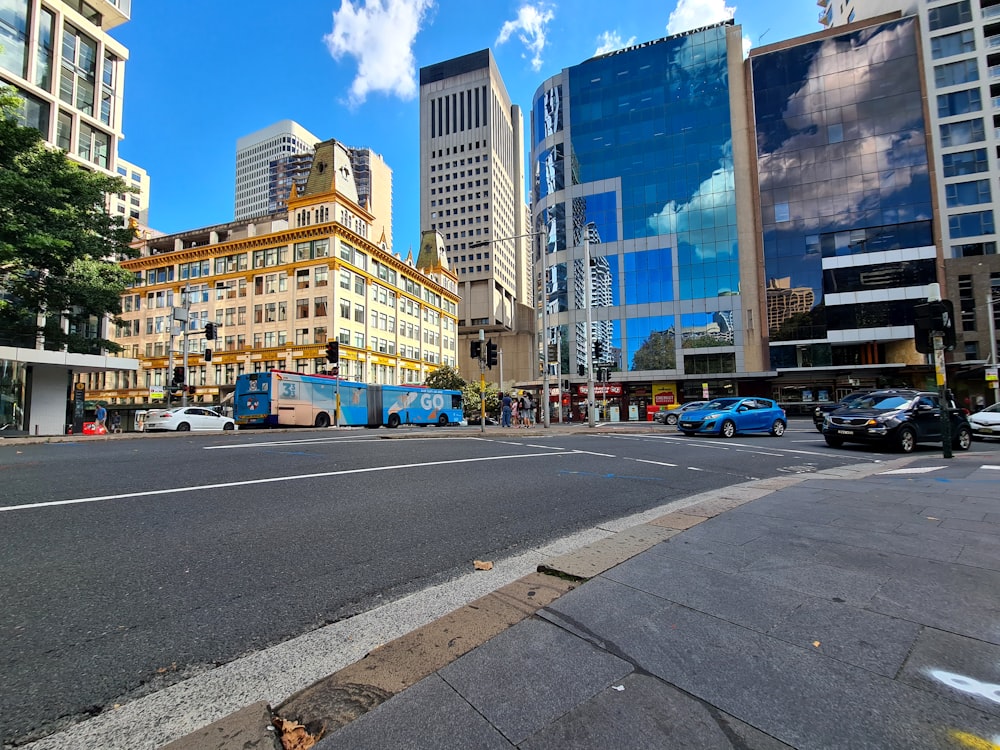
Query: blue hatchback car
[[727, 416]]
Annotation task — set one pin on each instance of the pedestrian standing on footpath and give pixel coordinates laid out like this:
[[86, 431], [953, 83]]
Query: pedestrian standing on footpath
[[515, 416], [101, 417], [528, 410], [505, 413]]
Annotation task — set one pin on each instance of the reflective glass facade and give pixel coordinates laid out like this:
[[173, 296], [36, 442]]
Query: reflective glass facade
[[845, 194], [633, 151]]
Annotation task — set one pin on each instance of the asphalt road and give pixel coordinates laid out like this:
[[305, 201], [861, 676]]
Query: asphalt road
[[128, 565]]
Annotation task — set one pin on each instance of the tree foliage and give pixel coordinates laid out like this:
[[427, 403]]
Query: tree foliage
[[445, 377], [58, 243], [470, 398]]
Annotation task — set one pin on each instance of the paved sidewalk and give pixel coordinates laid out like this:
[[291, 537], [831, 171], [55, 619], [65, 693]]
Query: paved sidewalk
[[853, 608]]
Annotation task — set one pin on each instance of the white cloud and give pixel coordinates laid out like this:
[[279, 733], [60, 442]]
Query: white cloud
[[609, 41], [747, 44], [693, 14], [379, 36], [530, 26]]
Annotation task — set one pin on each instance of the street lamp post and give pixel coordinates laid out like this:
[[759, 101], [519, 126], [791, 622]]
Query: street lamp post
[[994, 384], [590, 336]]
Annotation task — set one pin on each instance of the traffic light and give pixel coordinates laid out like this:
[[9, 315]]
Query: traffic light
[[581, 370], [565, 385], [598, 350], [208, 354], [210, 331], [333, 351], [553, 352], [476, 349], [931, 318], [491, 354], [178, 375]]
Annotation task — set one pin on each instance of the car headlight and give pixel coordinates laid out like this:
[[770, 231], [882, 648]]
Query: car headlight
[[713, 415]]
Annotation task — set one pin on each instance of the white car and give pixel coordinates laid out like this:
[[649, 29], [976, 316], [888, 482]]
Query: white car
[[185, 418], [986, 423]]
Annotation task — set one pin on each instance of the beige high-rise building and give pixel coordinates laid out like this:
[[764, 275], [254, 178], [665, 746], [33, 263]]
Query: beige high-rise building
[[472, 194]]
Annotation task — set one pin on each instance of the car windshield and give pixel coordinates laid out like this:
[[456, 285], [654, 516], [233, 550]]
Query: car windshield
[[721, 403], [995, 408], [852, 400], [881, 402]]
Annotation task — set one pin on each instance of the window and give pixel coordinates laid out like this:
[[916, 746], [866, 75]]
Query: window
[[359, 313], [951, 74], [971, 224], [965, 162], [967, 193], [321, 274], [319, 307], [79, 70], [958, 43], [302, 279], [961, 133], [944, 16], [301, 309], [959, 103]]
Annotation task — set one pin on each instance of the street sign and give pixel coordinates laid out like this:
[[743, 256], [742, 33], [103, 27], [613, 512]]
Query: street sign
[[991, 374]]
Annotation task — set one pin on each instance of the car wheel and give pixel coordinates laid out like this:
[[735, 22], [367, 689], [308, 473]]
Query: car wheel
[[833, 442], [183, 427], [322, 419], [906, 440], [393, 421], [728, 429], [778, 428], [963, 440], [443, 420], [671, 419], [228, 427]]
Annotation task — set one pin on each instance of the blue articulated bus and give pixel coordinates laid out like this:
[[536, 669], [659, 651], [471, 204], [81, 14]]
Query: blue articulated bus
[[285, 399]]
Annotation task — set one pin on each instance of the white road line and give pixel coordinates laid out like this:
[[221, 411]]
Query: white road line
[[658, 463], [759, 453], [912, 470], [290, 478], [695, 468], [989, 466], [308, 441], [602, 455]]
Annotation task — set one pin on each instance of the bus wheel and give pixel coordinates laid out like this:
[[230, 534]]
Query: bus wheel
[[393, 421], [443, 420], [322, 419]]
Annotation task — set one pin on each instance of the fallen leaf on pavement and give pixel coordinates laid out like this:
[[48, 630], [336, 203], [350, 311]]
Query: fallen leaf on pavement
[[816, 644], [482, 565], [294, 735]]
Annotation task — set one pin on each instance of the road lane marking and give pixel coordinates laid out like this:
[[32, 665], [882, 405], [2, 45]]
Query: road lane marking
[[268, 480], [658, 463], [307, 441], [602, 455]]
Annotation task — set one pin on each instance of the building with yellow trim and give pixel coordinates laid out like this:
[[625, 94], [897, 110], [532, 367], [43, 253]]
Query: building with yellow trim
[[278, 289]]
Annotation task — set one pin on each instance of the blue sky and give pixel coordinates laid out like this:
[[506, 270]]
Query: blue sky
[[203, 74]]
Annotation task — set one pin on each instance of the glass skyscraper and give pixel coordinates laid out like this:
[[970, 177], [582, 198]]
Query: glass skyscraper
[[845, 205], [634, 151]]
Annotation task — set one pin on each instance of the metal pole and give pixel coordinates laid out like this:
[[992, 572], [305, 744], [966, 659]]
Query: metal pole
[[336, 407], [995, 385], [482, 382], [184, 341], [941, 373], [589, 337], [546, 396], [559, 376]]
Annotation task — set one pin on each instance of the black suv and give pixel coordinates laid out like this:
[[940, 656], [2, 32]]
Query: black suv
[[821, 410], [897, 419]]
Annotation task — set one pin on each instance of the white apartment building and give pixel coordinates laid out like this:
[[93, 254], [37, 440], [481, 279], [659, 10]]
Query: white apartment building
[[257, 159], [59, 56], [133, 207], [472, 193]]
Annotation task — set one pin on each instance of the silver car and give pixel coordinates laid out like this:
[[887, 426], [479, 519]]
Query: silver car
[[670, 416], [185, 418], [986, 423]]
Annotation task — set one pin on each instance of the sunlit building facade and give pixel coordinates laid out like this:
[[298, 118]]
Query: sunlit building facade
[[645, 153], [279, 288]]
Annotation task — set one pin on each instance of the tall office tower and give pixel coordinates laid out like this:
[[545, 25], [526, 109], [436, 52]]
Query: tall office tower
[[472, 193], [373, 178], [643, 152], [846, 205], [960, 54], [256, 178]]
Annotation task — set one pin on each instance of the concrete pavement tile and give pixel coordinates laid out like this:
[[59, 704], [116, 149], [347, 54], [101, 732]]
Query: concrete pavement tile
[[723, 502], [962, 669], [979, 557], [530, 675], [428, 716], [800, 697], [855, 636], [247, 729], [734, 597], [961, 513], [979, 527], [680, 521], [957, 598], [647, 714], [603, 554], [711, 554]]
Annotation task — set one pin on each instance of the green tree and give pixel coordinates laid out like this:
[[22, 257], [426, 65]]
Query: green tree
[[445, 377], [656, 353], [58, 244], [470, 398]]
